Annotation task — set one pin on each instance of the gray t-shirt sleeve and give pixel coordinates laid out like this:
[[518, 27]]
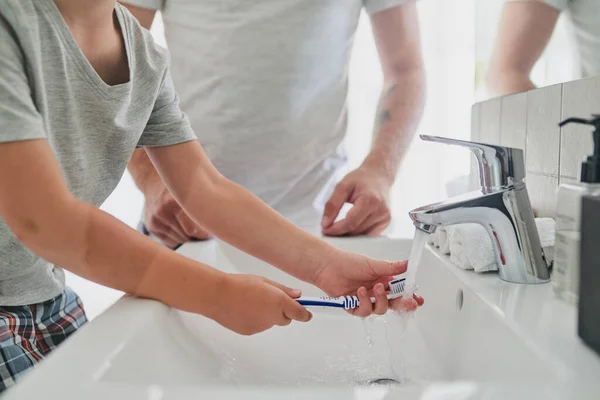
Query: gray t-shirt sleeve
[[151, 4], [374, 6], [19, 117], [560, 5], [167, 124]]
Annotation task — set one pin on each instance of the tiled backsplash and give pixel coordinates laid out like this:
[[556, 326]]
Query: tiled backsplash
[[530, 121]]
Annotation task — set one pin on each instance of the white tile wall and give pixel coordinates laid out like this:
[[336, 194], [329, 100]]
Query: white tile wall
[[542, 193], [543, 133], [530, 121], [580, 99], [489, 121], [513, 121]]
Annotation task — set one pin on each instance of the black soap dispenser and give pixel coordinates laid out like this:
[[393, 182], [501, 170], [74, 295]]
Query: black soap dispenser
[[565, 274]]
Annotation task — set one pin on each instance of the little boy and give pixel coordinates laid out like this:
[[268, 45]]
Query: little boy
[[81, 86]]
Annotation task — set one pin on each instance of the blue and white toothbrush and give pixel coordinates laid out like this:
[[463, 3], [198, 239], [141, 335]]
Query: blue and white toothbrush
[[351, 302]]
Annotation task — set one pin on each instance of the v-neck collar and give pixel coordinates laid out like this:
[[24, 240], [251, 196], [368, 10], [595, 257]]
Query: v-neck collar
[[81, 61]]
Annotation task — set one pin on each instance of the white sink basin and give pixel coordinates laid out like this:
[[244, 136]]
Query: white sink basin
[[501, 338]]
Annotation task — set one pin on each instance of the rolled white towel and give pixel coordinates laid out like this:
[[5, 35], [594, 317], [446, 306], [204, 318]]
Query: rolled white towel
[[439, 239], [470, 246], [445, 232]]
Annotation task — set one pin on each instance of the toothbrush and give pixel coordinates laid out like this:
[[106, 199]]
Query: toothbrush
[[351, 302]]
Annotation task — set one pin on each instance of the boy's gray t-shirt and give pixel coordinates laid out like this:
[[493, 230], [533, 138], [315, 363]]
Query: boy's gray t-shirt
[[48, 90]]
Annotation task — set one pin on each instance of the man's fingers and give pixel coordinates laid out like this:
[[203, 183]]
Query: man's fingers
[[293, 310], [375, 224], [191, 228], [186, 223], [162, 231], [356, 216], [165, 221], [166, 239], [340, 195]]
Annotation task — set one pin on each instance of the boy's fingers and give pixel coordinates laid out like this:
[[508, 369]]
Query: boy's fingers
[[381, 303], [366, 307], [406, 305], [420, 301], [390, 268], [295, 311], [284, 321], [293, 293]]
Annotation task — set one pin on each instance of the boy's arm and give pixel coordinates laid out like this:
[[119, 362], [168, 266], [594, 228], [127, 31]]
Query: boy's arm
[[39, 209], [524, 31], [235, 215], [238, 217]]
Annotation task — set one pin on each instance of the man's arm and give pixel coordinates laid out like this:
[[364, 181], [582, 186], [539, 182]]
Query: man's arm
[[396, 32], [524, 32], [163, 216]]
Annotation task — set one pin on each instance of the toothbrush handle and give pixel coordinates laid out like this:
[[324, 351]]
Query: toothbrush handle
[[345, 302], [321, 302]]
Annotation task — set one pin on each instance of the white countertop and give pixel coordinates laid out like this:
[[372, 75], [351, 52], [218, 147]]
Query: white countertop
[[75, 370]]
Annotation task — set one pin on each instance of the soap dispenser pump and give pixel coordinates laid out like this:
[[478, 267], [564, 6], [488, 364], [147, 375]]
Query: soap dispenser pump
[[565, 274]]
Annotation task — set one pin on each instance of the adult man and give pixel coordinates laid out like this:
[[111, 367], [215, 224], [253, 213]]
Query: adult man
[[525, 29], [265, 85]]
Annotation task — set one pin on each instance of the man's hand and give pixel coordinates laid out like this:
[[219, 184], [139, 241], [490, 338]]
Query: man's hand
[[165, 218], [342, 273], [368, 190]]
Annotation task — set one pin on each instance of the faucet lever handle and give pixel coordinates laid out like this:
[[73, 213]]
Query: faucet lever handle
[[499, 166]]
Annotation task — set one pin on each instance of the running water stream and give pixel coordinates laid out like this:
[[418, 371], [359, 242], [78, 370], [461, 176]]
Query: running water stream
[[419, 241]]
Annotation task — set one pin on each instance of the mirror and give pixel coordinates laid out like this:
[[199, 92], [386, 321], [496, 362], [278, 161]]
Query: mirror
[[523, 44]]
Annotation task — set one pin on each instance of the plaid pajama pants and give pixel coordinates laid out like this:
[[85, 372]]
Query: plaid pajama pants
[[29, 333]]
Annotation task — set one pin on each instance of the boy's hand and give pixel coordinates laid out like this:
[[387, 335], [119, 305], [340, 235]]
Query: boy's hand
[[344, 273], [165, 218], [251, 304]]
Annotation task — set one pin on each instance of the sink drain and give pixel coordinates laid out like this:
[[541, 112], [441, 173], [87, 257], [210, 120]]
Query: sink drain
[[383, 382]]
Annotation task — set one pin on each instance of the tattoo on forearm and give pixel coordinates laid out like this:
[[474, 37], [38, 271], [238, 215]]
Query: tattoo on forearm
[[383, 117], [389, 91], [383, 114]]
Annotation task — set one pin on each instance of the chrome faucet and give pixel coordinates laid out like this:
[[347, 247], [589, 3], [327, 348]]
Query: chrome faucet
[[502, 207]]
